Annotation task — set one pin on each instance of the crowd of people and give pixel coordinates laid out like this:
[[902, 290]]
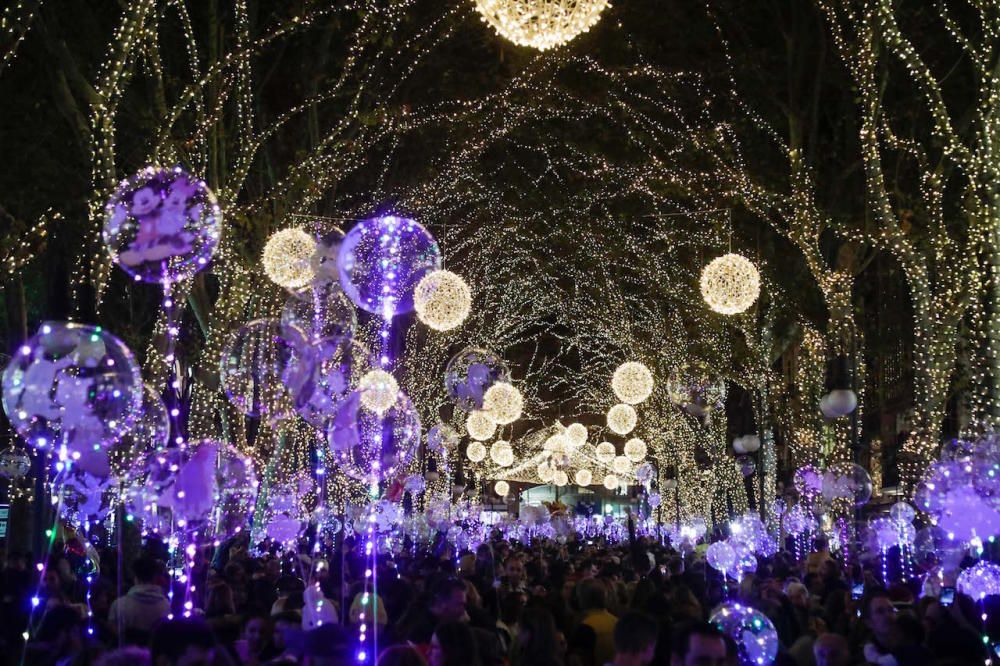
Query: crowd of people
[[544, 603]]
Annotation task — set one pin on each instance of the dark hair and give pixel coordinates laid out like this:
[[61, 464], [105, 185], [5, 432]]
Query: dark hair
[[57, 620], [146, 569], [445, 587], [172, 638], [682, 638], [401, 655], [329, 641], [634, 632], [458, 644], [592, 594], [542, 644], [291, 616], [870, 596]]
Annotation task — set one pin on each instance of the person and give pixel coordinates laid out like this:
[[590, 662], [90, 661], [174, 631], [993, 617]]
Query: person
[[135, 614], [879, 617], [699, 644], [256, 645], [59, 637], [401, 655], [446, 604], [182, 642], [592, 595], [831, 650], [130, 655], [453, 644], [287, 637], [537, 640], [635, 639], [327, 645]]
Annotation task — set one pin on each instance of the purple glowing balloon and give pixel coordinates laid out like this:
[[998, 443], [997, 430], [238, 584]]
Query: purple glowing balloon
[[366, 444], [470, 373], [808, 481], [981, 580], [72, 385], [381, 260], [721, 556], [320, 311], [966, 515], [162, 225], [322, 374], [258, 367], [847, 481], [753, 632]]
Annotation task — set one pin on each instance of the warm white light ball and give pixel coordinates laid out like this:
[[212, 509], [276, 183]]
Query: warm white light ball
[[622, 419], [730, 284], [560, 478], [379, 391], [583, 477], [605, 452], [576, 435], [502, 453], [476, 452], [480, 426], [541, 24], [501, 488], [635, 449], [621, 465], [545, 472], [610, 481], [287, 258], [557, 444], [442, 300], [632, 382], [503, 403]]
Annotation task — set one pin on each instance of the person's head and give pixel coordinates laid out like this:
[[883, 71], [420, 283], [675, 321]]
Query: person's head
[[51, 582], [798, 594], [284, 623], [257, 632], [592, 594], [635, 637], [146, 570], [61, 628], [699, 644], [878, 613], [514, 570], [453, 644], [822, 544], [327, 645], [220, 601], [182, 642], [831, 650], [447, 602], [401, 655], [536, 633], [130, 655]]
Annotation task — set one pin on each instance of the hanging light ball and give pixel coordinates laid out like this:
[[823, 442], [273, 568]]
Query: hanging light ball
[[502, 453], [480, 426], [635, 449], [557, 444], [476, 452], [621, 465], [622, 419], [560, 478], [576, 435], [583, 477], [632, 382], [503, 403], [442, 300], [730, 284], [379, 390], [610, 481], [545, 472], [287, 258], [501, 488], [541, 24], [605, 452]]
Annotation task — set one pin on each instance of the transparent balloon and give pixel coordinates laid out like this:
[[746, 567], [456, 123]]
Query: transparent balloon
[[696, 389], [381, 260], [442, 438], [258, 365], [755, 636], [320, 311], [980, 580], [150, 432], [162, 225], [847, 481], [14, 463], [321, 374], [324, 260], [808, 481], [721, 556], [85, 500], [902, 512], [371, 445], [470, 373], [72, 385]]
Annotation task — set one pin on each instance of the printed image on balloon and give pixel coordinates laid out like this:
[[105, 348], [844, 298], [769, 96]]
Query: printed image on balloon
[[470, 373], [321, 374], [368, 444]]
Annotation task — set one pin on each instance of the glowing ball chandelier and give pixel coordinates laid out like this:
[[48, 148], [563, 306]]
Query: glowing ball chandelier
[[621, 465], [541, 24], [583, 477], [605, 452], [730, 284], [287, 258], [502, 453], [379, 390], [560, 478], [632, 382], [476, 452], [442, 300], [503, 403], [501, 488], [611, 482], [622, 419], [480, 426], [635, 449], [576, 435]]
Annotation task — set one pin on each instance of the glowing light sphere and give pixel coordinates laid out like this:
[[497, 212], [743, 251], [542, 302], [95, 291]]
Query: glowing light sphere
[[382, 260], [253, 368], [541, 24], [503, 403], [557, 444], [14, 463], [611, 482], [576, 435], [162, 225], [545, 472], [695, 389], [476, 452], [480, 426], [721, 556], [730, 284], [635, 449], [379, 390], [980, 580], [287, 258], [501, 488], [470, 373], [621, 465], [753, 632], [583, 477], [320, 311], [72, 385], [502, 453], [369, 445], [622, 419], [605, 452], [632, 382], [442, 300], [560, 478]]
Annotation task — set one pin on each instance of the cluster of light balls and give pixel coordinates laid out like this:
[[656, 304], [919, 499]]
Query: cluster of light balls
[[541, 24], [730, 284]]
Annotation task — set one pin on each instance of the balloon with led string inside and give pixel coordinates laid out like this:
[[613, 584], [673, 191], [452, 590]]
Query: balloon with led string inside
[[808, 481], [374, 438], [322, 373], [755, 636], [85, 500], [14, 463], [162, 225], [150, 432], [847, 481], [381, 260], [721, 556], [74, 385], [470, 373], [259, 365], [320, 311]]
